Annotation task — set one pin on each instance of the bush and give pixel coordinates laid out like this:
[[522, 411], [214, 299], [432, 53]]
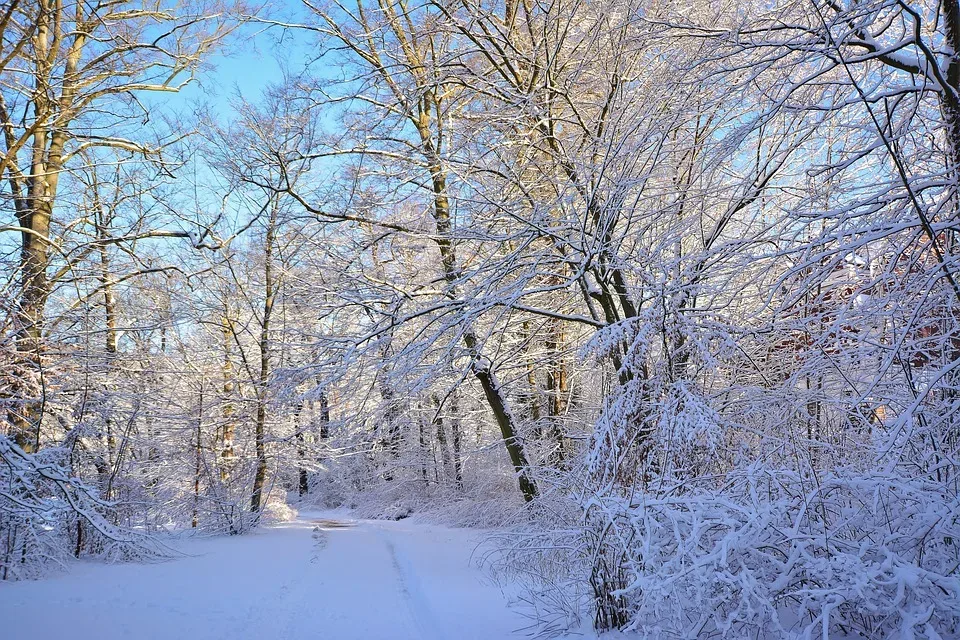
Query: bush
[[48, 516], [774, 554]]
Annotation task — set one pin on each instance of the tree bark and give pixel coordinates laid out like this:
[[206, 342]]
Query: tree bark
[[480, 366], [558, 388], [256, 499], [198, 463], [227, 453], [303, 484], [442, 444]]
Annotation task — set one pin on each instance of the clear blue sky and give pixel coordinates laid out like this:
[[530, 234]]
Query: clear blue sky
[[254, 58]]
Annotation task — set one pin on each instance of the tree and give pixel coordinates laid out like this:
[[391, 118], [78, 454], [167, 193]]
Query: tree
[[73, 84], [75, 64], [416, 100]]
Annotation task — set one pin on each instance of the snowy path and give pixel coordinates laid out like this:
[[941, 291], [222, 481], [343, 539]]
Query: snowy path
[[370, 581]]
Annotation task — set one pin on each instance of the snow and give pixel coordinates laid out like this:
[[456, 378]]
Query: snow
[[314, 577]]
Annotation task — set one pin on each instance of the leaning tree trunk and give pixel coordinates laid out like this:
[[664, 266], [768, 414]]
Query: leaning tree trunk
[[480, 366]]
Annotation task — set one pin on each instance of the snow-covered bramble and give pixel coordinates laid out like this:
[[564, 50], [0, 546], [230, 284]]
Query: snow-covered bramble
[[776, 554], [48, 516]]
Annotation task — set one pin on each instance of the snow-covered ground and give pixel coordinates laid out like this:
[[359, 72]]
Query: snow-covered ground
[[312, 578]]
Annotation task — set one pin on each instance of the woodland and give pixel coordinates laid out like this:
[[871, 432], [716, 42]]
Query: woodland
[[665, 294]]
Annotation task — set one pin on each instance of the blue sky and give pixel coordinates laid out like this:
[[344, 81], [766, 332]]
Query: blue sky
[[253, 59]]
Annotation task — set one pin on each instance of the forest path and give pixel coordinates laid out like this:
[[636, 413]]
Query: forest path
[[314, 578]]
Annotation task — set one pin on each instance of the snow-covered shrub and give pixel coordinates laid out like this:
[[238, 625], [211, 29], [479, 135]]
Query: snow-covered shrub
[[723, 503], [546, 553], [277, 511], [774, 554], [760, 553], [48, 516]]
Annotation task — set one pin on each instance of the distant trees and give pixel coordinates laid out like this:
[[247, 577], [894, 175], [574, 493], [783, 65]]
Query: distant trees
[[259, 157]]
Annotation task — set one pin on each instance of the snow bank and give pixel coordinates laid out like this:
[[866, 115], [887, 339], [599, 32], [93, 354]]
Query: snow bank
[[276, 511]]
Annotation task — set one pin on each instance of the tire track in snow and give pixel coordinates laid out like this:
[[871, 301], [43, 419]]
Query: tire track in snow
[[412, 592]]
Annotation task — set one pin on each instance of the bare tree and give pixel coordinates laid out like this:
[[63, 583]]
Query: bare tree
[[65, 95]]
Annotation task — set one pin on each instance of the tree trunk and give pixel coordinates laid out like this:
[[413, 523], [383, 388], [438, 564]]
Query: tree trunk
[[442, 444], [303, 484], [533, 387], [558, 388], [256, 499], [227, 452], [423, 448], [198, 463], [457, 440], [109, 309], [34, 197], [324, 417], [480, 366]]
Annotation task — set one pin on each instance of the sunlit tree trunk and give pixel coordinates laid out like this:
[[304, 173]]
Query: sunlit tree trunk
[[270, 292], [558, 389], [228, 411]]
